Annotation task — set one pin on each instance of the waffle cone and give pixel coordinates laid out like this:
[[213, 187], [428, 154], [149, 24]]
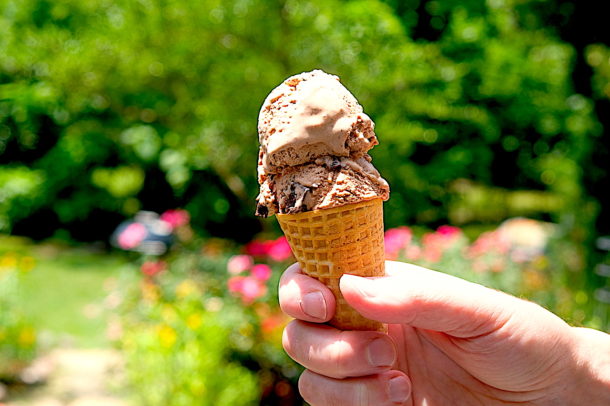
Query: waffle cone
[[331, 242]]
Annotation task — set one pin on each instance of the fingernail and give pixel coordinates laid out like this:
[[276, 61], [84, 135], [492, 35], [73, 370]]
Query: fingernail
[[381, 353], [399, 389], [314, 305]]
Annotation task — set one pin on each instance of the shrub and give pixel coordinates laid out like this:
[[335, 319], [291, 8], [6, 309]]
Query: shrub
[[523, 257], [179, 351], [202, 326]]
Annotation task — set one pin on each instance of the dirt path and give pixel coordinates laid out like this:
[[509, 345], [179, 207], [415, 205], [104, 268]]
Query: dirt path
[[74, 377]]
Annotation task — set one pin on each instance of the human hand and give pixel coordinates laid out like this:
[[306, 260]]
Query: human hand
[[449, 342]]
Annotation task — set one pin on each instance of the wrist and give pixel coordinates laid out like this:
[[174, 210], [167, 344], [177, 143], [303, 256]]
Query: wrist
[[591, 381]]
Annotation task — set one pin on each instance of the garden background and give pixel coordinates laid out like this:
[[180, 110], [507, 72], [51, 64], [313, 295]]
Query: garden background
[[129, 126]]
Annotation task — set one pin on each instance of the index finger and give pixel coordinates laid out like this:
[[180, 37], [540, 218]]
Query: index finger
[[305, 298]]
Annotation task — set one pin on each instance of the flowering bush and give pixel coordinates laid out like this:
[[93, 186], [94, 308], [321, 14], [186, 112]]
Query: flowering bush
[[202, 326], [17, 336], [447, 249], [179, 348], [523, 257]]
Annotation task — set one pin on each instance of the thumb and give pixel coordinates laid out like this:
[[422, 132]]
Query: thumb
[[430, 300]]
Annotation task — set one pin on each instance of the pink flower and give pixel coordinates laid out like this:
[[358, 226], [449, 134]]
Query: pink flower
[[151, 268], [252, 289], [131, 236], [248, 288], [239, 263], [432, 247], [176, 218], [432, 253], [397, 239], [235, 283], [413, 252], [280, 250], [435, 244], [449, 231], [488, 242], [261, 272]]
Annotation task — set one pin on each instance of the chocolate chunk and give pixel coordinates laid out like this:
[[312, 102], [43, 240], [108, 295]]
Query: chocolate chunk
[[294, 202], [262, 210], [335, 165], [291, 199]]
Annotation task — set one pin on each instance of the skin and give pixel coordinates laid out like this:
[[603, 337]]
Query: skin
[[449, 342]]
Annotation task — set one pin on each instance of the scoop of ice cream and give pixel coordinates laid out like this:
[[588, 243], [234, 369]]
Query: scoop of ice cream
[[314, 142], [308, 116], [327, 182]]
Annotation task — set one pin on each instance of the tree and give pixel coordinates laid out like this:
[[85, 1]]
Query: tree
[[113, 107]]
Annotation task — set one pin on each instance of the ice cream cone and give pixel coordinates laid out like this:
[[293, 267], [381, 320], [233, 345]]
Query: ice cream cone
[[328, 243]]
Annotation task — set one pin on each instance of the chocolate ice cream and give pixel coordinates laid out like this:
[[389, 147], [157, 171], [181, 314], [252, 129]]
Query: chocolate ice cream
[[314, 142]]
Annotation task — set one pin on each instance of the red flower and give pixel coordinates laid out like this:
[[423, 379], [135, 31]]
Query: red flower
[[276, 250], [280, 250], [449, 231], [273, 322], [176, 218], [258, 248], [152, 268], [235, 283]]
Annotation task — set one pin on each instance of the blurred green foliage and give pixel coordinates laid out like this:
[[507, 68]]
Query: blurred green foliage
[[598, 57], [18, 341], [178, 352], [188, 340], [113, 106]]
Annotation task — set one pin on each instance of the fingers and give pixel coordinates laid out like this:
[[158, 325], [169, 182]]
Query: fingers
[[305, 298], [427, 299], [387, 389], [338, 354]]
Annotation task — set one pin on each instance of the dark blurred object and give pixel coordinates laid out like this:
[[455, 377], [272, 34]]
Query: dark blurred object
[[147, 233]]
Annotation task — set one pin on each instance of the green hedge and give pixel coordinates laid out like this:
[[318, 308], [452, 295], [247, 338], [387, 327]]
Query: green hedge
[[117, 106]]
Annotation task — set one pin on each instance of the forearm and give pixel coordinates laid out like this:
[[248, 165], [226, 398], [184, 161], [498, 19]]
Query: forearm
[[592, 376]]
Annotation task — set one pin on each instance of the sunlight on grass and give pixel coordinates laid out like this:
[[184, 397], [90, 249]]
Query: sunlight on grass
[[64, 292]]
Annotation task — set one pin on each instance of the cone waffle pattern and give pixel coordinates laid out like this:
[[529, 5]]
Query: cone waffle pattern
[[331, 242]]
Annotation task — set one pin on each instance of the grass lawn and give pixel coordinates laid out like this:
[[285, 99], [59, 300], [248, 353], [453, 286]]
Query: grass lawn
[[64, 293]]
